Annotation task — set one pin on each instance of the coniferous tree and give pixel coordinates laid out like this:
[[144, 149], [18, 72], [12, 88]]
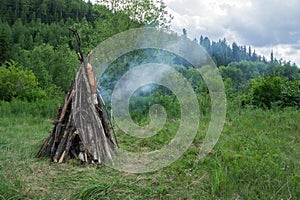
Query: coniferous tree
[[184, 31], [207, 44], [5, 42], [235, 52], [249, 51], [272, 57], [201, 40]]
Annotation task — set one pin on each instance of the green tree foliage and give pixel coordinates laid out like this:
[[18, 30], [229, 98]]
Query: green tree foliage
[[148, 12], [39, 61], [48, 11], [233, 76], [272, 91], [5, 42], [235, 52], [262, 84], [206, 43], [15, 82], [223, 54], [51, 66], [35, 34]]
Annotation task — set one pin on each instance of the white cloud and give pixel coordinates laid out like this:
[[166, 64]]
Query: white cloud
[[263, 24], [266, 25]]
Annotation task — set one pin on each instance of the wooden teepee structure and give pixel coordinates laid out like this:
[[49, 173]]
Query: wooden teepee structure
[[81, 130]]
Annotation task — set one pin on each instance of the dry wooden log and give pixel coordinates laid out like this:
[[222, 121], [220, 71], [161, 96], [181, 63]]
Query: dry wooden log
[[67, 106], [81, 129], [62, 157], [70, 140], [44, 146], [105, 124], [62, 143], [90, 75]]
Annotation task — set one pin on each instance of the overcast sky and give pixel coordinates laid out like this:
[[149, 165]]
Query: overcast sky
[[263, 24]]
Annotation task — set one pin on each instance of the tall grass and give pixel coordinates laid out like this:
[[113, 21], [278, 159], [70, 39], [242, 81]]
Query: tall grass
[[46, 108], [256, 157]]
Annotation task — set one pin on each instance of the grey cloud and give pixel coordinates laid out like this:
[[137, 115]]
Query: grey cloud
[[266, 22]]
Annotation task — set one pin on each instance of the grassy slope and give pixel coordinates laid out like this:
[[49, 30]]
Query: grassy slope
[[257, 157]]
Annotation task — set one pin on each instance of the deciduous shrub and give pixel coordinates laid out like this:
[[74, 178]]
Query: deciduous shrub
[[273, 91], [15, 82]]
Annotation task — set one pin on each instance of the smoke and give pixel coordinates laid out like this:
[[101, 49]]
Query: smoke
[[127, 63], [126, 70]]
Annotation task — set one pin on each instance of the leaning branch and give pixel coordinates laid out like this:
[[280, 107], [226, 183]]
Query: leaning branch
[[79, 54]]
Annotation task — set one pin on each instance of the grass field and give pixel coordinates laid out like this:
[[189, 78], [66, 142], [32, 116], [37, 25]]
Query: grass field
[[256, 157]]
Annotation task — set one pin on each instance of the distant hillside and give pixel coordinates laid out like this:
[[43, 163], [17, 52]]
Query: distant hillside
[[35, 34], [48, 11], [224, 53], [36, 44]]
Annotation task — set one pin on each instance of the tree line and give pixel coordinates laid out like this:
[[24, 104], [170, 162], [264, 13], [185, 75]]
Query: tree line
[[37, 50], [35, 36]]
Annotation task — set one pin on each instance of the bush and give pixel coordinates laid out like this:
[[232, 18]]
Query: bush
[[271, 91], [15, 82], [291, 93]]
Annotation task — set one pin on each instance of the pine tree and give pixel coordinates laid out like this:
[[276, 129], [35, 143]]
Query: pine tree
[[235, 52], [249, 52], [207, 44], [272, 56], [5, 42], [201, 40], [184, 31]]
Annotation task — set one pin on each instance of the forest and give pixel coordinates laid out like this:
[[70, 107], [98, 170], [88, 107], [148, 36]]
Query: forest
[[38, 61], [36, 46]]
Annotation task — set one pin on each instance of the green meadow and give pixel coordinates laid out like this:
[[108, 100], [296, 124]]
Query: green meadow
[[256, 157]]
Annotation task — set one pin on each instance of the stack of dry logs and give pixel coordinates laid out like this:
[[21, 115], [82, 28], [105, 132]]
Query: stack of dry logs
[[81, 129]]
